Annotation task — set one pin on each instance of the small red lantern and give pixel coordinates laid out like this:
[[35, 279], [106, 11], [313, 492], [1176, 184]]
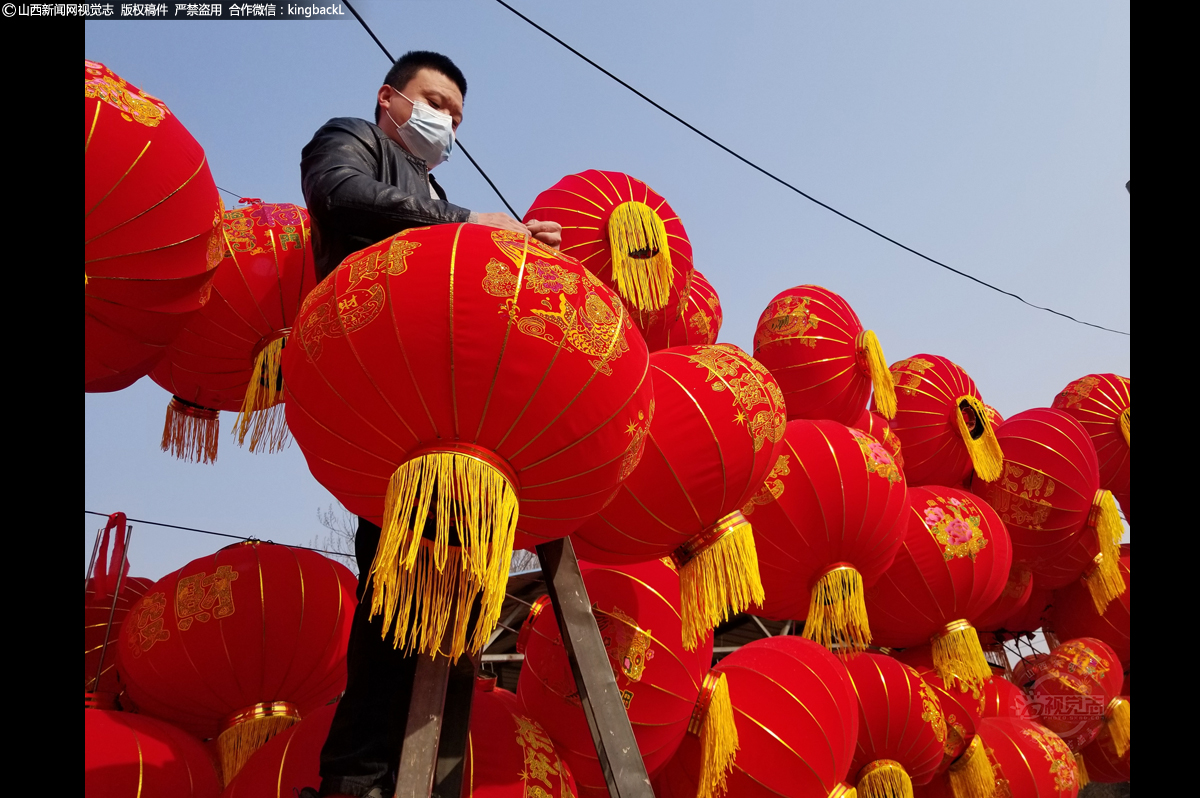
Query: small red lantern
[[228, 356], [151, 233], [1100, 402], [1074, 614], [482, 368], [625, 234], [1003, 699], [240, 644], [1076, 692], [1103, 763], [1029, 759], [132, 756], [826, 363], [877, 427], [901, 728], [699, 319], [942, 423], [829, 520], [717, 422], [1050, 499]]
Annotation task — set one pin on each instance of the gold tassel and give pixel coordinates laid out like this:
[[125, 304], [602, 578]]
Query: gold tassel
[[1104, 581], [641, 255], [1081, 771], [712, 720], [426, 585], [843, 790], [837, 615], [884, 778], [958, 656], [986, 456], [718, 576], [971, 775], [1116, 719], [249, 730], [1125, 424], [262, 415], [868, 348], [190, 431]]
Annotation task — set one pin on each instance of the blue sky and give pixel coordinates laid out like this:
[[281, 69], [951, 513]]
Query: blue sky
[[994, 137]]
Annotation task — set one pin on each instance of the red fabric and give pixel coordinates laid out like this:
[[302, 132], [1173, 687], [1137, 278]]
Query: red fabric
[[1003, 699], [288, 762], [952, 564], [899, 718], [877, 427], [1031, 758], [806, 337], [1073, 614], [582, 203], [151, 211], [132, 756], [1018, 589], [1045, 494], [1028, 668], [1102, 763], [1097, 401], [998, 697], [1032, 614], [266, 272], [717, 425], [254, 622], [960, 707], [834, 495], [95, 620], [637, 609], [1073, 687], [928, 390], [699, 320], [425, 337]]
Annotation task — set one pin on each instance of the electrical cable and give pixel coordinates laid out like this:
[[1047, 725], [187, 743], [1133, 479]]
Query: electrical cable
[[219, 534]]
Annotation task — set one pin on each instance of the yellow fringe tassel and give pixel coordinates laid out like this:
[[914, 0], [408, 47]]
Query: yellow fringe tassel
[[885, 778], [425, 585], [837, 615], [1125, 425], [262, 415], [881, 379], [718, 737], [1116, 718], [958, 656], [986, 456], [1104, 581], [239, 742], [641, 255], [190, 431], [718, 577], [971, 775], [1081, 771], [843, 790]]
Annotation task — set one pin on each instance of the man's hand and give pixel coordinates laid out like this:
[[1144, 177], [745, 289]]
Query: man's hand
[[549, 233], [504, 222]]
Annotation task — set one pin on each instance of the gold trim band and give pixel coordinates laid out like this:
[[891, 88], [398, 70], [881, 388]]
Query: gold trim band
[[266, 340], [700, 709], [185, 408], [476, 452], [263, 710], [878, 764], [698, 543], [819, 575], [960, 625]]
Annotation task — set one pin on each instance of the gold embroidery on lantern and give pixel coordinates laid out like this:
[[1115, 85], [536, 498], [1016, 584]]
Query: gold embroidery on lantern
[[499, 281], [1062, 761], [1025, 502], [903, 376], [1075, 393], [637, 444], [140, 108], [931, 708], [540, 761], [772, 488], [203, 597], [954, 523], [548, 278], [143, 626], [628, 645], [790, 318], [878, 459]]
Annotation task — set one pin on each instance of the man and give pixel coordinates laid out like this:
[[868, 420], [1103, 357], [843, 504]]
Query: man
[[362, 183]]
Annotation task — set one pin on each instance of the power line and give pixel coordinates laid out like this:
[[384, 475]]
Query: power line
[[217, 534], [783, 182], [230, 193]]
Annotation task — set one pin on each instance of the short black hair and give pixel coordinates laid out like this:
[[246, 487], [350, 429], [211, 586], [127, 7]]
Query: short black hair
[[408, 65]]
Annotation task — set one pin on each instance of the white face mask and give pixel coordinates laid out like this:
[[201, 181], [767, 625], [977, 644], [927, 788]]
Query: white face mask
[[428, 134]]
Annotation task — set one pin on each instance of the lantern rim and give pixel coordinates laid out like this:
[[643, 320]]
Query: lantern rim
[[707, 687], [475, 452], [697, 544], [266, 709], [828, 569]]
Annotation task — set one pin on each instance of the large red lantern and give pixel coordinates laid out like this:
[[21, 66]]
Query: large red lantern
[[1012, 599], [1100, 402], [901, 728], [828, 521], [1029, 759], [627, 235], [877, 427], [718, 420], [228, 356], [699, 319], [240, 644], [1074, 614], [482, 368], [637, 610], [826, 363], [942, 423], [995, 697], [1050, 499], [1076, 693], [952, 565], [132, 756], [1102, 762], [151, 233]]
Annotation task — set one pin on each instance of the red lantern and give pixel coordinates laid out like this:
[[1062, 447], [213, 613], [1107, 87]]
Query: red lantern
[[826, 363], [952, 565], [942, 423], [1102, 761], [1029, 668], [1100, 402], [699, 319], [901, 729], [228, 356], [1018, 588], [1072, 691], [240, 644], [637, 610], [478, 366], [150, 227], [718, 419], [877, 427], [829, 520], [132, 756], [797, 725], [1074, 614], [289, 762], [103, 613], [996, 697], [1050, 499], [1029, 759], [625, 234]]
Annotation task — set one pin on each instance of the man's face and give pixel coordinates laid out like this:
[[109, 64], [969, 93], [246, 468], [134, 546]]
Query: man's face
[[428, 86]]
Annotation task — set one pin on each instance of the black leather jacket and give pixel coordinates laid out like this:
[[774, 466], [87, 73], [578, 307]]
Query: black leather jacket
[[361, 187]]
